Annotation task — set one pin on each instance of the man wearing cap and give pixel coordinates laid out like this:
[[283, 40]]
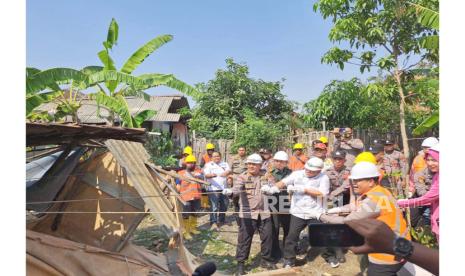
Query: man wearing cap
[[308, 187], [378, 151], [320, 150], [253, 213], [186, 152], [238, 166], [374, 201], [344, 141], [207, 157], [395, 165], [267, 164], [338, 176], [279, 201], [298, 158]]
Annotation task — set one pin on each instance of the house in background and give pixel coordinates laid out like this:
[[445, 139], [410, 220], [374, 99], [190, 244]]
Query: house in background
[[166, 119]]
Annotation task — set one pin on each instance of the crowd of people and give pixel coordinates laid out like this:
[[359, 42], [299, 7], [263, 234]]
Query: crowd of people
[[270, 192]]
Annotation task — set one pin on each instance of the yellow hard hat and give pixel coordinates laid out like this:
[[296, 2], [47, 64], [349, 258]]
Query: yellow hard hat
[[210, 146], [187, 150], [298, 146], [365, 156], [323, 139], [190, 159]]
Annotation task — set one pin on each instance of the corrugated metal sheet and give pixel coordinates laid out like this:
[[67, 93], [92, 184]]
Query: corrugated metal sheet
[[89, 113]]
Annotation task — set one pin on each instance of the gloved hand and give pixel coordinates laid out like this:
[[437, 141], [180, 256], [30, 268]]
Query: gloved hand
[[274, 190], [315, 214], [335, 210], [227, 192], [265, 189], [410, 194]]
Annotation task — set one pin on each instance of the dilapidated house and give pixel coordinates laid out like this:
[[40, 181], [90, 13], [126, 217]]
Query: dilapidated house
[[87, 195]]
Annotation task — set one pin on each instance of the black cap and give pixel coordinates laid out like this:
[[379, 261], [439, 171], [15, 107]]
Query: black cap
[[339, 154], [262, 151], [376, 148], [388, 142], [376, 141]]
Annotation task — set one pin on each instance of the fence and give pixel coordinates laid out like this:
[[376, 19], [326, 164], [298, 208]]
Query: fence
[[221, 145], [306, 138]]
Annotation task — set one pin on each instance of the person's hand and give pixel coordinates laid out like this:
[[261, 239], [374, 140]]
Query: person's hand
[[335, 210], [315, 214], [274, 190], [379, 238], [227, 192], [265, 189]]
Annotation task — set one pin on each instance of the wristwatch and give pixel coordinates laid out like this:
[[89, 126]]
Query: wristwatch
[[403, 248]]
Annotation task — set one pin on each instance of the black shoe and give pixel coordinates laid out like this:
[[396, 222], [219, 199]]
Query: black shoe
[[240, 269], [267, 265], [288, 263]]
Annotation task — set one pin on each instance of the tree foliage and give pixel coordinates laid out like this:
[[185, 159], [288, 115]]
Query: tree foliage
[[112, 85], [380, 33], [351, 103], [225, 100]]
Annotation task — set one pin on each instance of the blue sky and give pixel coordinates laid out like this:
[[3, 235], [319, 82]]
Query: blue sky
[[276, 38]]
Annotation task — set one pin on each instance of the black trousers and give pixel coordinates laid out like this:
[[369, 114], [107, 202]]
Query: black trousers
[[236, 209], [247, 228], [383, 270], [296, 226], [278, 221], [191, 206]]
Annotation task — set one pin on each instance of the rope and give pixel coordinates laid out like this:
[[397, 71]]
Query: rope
[[115, 198], [167, 212]]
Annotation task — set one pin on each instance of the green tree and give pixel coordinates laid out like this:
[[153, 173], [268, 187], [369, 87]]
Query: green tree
[[351, 103], [255, 133], [112, 85], [379, 33], [222, 102]]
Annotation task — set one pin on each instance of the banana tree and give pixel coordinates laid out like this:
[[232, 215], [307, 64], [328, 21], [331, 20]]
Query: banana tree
[[112, 85], [112, 94], [428, 18]]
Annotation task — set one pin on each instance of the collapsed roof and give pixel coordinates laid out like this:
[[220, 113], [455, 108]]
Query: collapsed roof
[[84, 203]]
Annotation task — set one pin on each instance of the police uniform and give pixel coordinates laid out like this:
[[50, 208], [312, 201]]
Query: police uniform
[[254, 215], [238, 166], [279, 203], [422, 181], [395, 166], [352, 148], [339, 185]]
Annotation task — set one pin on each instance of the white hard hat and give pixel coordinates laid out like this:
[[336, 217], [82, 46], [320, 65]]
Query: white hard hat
[[254, 159], [364, 170], [435, 147], [429, 142], [314, 164], [281, 155]]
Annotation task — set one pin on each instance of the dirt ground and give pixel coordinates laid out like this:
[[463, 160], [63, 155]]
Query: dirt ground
[[220, 247]]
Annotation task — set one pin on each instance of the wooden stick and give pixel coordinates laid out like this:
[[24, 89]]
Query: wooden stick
[[176, 175]]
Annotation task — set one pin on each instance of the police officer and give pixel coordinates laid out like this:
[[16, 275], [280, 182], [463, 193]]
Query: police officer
[[378, 152], [339, 179], [267, 164], [253, 213], [338, 176], [344, 141], [422, 183], [395, 165], [279, 201], [238, 166]]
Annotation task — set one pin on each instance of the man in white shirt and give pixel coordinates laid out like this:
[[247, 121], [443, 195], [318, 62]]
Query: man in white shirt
[[308, 187], [216, 172]]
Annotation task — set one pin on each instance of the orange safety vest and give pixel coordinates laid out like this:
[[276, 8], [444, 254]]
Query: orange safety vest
[[391, 214], [189, 190], [296, 164], [418, 163], [206, 158]]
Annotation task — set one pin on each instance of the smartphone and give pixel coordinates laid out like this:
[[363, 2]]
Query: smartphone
[[334, 235]]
